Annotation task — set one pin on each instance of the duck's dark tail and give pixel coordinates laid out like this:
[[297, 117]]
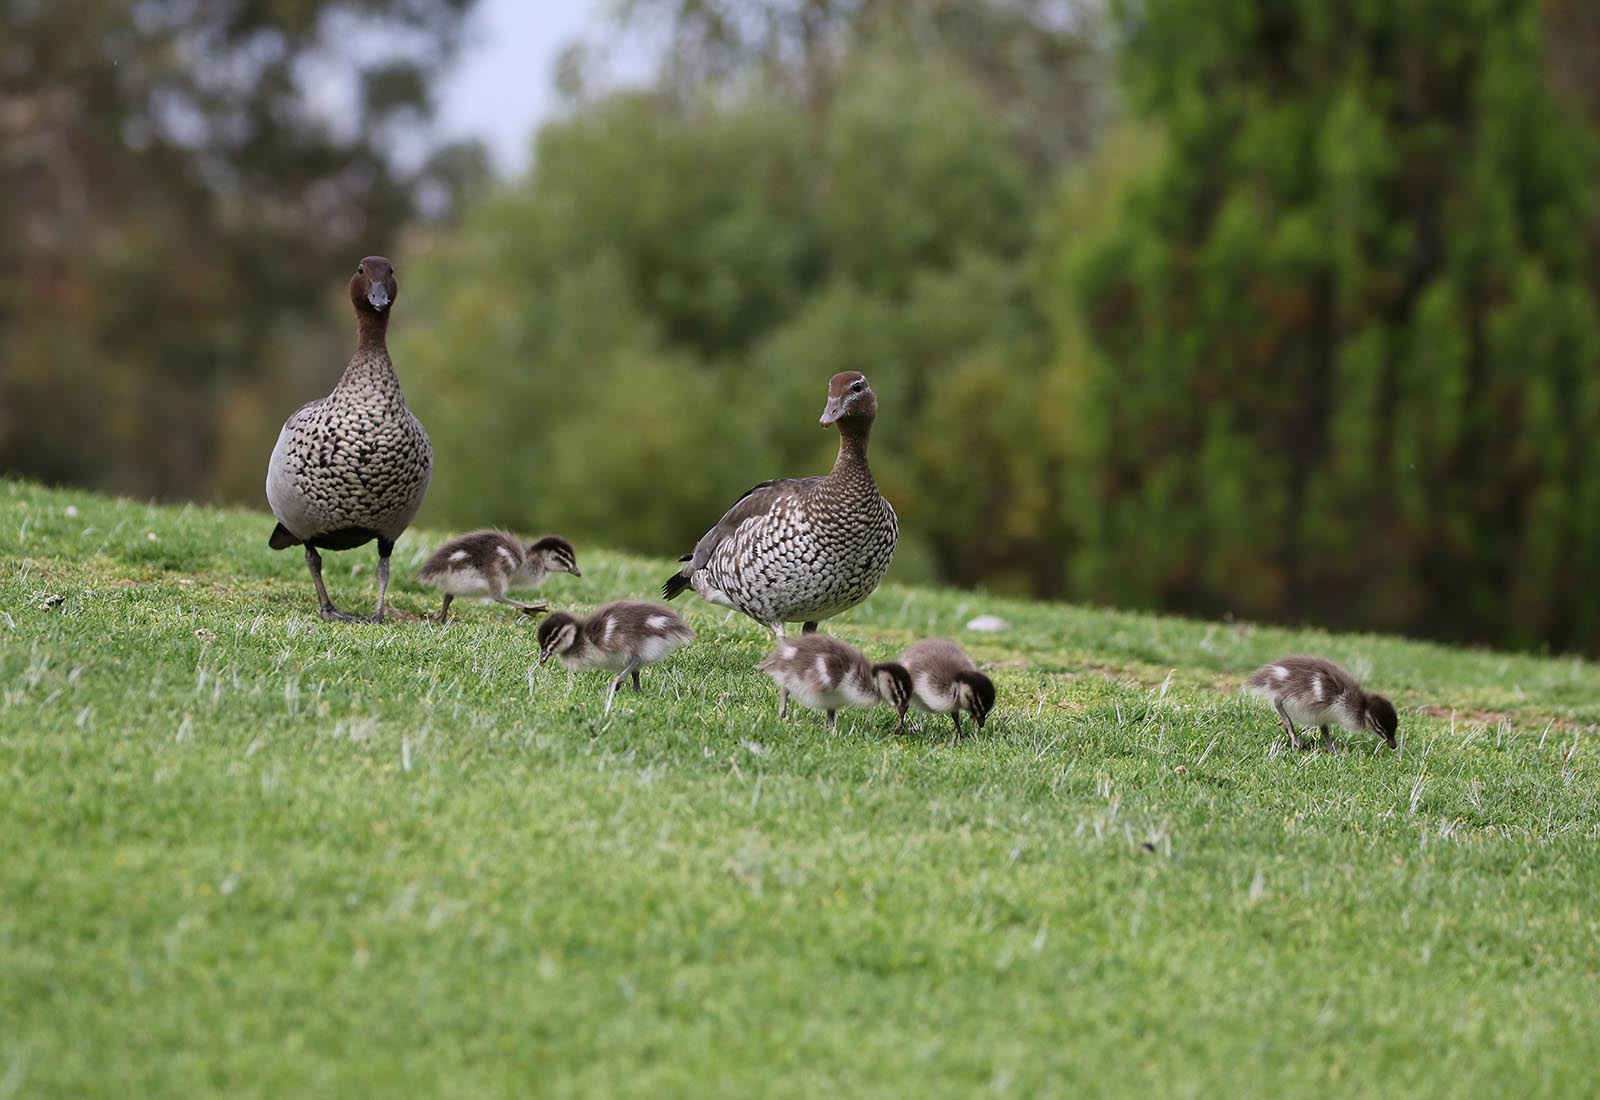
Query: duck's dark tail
[[282, 538], [678, 583]]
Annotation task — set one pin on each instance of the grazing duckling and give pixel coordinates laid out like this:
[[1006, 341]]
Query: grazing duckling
[[624, 635], [827, 674], [1317, 692], [944, 680], [355, 465], [802, 549], [487, 563]]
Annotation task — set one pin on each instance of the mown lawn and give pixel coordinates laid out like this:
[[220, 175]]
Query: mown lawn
[[244, 852]]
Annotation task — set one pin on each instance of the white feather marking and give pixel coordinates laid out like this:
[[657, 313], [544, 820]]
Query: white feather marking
[[459, 555], [658, 622], [1279, 672], [1316, 688], [822, 670], [505, 552]]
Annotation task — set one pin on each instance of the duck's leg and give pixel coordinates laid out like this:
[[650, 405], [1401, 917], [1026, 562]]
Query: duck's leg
[[1327, 741], [385, 548], [833, 719], [444, 609], [329, 612], [525, 608], [635, 671], [783, 703], [611, 692], [808, 628], [1288, 724], [955, 716]]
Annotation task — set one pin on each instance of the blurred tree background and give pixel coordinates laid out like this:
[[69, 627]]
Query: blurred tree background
[[1284, 308], [173, 212]]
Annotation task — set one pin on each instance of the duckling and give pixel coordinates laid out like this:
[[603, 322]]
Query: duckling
[[827, 674], [1316, 692], [946, 681], [353, 466], [486, 563], [802, 549], [624, 635]]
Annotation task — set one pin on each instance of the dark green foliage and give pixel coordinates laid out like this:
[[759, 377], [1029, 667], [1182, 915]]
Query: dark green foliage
[[1346, 335], [619, 346]]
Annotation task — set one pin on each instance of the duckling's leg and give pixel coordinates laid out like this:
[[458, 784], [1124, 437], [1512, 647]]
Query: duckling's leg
[[1288, 724], [955, 716], [329, 612], [631, 669], [1327, 741], [833, 719], [385, 548], [783, 703], [525, 608], [808, 628], [444, 609]]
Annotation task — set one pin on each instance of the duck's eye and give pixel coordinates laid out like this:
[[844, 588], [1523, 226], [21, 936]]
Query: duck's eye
[[360, 270], [855, 387]]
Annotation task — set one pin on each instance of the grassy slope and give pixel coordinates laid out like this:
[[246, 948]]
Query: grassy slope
[[249, 853]]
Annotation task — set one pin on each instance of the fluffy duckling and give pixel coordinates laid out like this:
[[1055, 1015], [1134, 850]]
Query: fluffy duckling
[[944, 680], [487, 563], [1316, 692], [353, 466], [624, 635], [827, 674]]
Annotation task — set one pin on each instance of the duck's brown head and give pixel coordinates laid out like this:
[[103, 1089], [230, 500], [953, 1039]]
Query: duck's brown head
[[850, 399], [558, 636], [894, 687], [1382, 720], [554, 555], [372, 287], [975, 695]]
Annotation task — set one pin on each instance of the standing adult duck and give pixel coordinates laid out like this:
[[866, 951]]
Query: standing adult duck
[[802, 549], [355, 465]]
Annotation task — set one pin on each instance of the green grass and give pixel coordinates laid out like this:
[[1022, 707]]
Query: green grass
[[249, 853]]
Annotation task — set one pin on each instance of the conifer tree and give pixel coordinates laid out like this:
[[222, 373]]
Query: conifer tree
[[1347, 360]]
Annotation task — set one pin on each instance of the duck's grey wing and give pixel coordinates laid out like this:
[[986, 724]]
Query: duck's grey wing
[[284, 494], [757, 500]]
